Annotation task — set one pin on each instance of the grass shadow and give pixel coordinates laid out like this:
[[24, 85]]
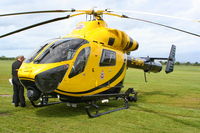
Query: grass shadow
[[5, 113], [142, 96], [170, 116], [158, 93]]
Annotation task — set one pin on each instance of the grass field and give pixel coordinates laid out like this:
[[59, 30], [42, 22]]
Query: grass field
[[168, 103]]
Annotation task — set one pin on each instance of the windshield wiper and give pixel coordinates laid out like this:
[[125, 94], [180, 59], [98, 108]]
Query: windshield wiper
[[42, 56]]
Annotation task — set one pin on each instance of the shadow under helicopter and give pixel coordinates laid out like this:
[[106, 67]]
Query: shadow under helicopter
[[62, 110]]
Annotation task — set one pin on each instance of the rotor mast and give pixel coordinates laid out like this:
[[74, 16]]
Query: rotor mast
[[96, 14]]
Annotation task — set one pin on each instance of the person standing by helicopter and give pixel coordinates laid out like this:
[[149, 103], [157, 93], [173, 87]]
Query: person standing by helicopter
[[18, 96]]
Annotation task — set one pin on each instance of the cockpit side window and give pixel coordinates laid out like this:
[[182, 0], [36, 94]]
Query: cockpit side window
[[108, 58], [80, 62], [61, 50]]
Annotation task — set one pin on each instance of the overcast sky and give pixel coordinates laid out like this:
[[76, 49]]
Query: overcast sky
[[153, 40]]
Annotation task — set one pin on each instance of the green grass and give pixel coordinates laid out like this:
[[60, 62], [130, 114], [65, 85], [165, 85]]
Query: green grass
[[167, 103]]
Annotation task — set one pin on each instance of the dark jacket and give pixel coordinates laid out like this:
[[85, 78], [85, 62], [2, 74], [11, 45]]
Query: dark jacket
[[15, 66]]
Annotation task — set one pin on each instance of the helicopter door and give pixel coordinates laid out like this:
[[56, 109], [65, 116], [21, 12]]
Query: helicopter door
[[107, 67], [81, 77], [80, 62]]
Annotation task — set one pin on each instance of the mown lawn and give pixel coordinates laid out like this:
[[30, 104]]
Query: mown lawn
[[167, 103]]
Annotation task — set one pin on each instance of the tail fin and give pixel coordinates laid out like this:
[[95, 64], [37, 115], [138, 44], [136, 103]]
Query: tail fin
[[171, 60]]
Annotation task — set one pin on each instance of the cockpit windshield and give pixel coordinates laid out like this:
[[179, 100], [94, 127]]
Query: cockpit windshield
[[61, 50], [35, 53]]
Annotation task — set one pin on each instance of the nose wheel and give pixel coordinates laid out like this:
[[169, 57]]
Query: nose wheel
[[43, 101]]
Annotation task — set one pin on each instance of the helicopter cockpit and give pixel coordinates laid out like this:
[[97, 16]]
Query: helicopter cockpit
[[55, 51], [60, 50]]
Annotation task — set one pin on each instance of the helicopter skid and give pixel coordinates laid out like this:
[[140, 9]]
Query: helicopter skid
[[126, 106], [125, 96], [44, 101], [92, 99], [43, 104]]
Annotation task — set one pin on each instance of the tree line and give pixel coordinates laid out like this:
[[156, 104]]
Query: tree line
[[183, 63], [7, 58], [162, 62]]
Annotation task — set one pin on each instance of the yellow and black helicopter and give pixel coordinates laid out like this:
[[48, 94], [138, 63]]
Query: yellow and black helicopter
[[87, 65]]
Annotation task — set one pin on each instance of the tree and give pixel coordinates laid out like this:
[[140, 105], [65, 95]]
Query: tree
[[188, 63], [196, 64], [177, 63]]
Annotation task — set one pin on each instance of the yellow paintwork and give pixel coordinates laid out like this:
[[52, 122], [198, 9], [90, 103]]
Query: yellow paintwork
[[98, 34], [137, 62], [97, 31]]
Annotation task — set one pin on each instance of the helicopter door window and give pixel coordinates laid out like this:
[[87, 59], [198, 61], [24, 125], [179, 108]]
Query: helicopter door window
[[80, 62], [108, 58]]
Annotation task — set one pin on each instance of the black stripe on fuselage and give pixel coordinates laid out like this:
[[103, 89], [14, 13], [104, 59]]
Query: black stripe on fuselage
[[100, 86], [130, 44], [26, 78]]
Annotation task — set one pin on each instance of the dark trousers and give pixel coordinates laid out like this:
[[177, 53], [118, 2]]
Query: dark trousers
[[18, 95]]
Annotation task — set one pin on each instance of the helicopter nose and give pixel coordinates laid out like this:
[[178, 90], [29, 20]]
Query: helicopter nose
[[49, 80]]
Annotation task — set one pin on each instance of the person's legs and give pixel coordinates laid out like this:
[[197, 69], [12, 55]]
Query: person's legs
[[13, 101], [16, 94], [21, 96]]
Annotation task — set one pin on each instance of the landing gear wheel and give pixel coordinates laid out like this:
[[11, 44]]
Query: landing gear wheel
[[132, 98], [44, 100]]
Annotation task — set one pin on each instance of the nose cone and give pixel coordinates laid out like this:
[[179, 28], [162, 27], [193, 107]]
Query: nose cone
[[49, 80]]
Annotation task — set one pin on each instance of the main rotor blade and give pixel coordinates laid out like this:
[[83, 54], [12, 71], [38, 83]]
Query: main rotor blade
[[170, 27], [35, 25], [41, 23], [151, 22], [156, 14], [35, 12]]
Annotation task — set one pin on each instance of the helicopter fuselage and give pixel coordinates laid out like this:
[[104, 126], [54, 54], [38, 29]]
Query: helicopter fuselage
[[90, 60]]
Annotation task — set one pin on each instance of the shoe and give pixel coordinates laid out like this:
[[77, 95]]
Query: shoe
[[16, 105], [23, 105]]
